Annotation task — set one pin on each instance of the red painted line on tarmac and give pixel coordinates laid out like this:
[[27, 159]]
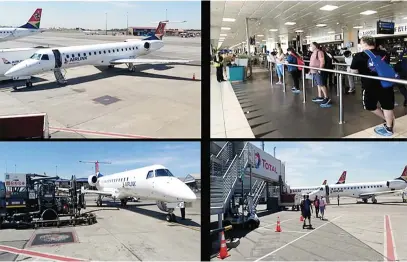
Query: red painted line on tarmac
[[36, 254], [389, 240], [97, 133]]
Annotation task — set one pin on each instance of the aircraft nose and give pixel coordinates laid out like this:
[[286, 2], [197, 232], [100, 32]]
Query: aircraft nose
[[20, 69], [187, 194]]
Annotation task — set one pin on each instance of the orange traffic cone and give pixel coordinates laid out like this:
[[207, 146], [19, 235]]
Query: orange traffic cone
[[193, 77], [278, 227], [301, 218], [223, 253]]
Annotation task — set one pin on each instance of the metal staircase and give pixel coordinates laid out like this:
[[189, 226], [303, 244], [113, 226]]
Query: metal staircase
[[59, 76], [258, 192]]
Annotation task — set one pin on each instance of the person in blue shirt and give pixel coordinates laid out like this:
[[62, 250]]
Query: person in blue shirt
[[295, 73], [306, 208]]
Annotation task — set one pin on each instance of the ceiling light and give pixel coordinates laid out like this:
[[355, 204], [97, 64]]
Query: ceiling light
[[275, 30], [331, 32], [321, 25], [229, 19], [225, 28], [299, 31], [368, 12], [307, 36], [328, 7], [290, 23], [337, 23], [358, 27], [270, 38], [264, 40], [260, 35], [405, 17], [223, 34]]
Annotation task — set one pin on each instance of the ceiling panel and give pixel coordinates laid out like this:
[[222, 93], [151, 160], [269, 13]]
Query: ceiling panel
[[306, 14]]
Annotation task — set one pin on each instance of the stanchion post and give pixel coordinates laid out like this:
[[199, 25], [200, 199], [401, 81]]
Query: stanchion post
[[341, 121], [283, 78], [303, 85], [271, 74], [337, 81]]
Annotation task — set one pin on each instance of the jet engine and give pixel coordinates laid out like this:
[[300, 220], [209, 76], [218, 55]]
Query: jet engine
[[92, 180], [147, 45], [163, 207]]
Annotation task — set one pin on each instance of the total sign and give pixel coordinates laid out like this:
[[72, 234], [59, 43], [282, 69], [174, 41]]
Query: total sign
[[265, 165]]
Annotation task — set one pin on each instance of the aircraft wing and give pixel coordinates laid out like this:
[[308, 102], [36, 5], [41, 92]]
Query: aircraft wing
[[379, 193], [105, 193], [148, 61]]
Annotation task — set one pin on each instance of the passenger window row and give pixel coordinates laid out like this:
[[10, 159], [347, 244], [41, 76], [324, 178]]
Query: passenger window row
[[104, 52], [117, 180], [5, 32]]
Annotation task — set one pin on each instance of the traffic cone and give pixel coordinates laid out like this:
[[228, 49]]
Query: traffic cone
[[193, 77], [301, 218], [223, 253], [278, 227]]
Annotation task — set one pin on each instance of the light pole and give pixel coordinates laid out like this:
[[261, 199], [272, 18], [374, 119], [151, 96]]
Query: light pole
[[106, 23], [127, 22], [56, 170], [274, 152]]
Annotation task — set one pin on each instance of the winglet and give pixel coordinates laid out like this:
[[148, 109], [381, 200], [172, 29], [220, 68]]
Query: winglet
[[35, 20], [342, 179], [403, 175], [159, 32]]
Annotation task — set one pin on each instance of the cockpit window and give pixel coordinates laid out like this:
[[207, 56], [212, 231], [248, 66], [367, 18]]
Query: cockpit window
[[36, 56], [44, 57], [150, 174], [163, 172]]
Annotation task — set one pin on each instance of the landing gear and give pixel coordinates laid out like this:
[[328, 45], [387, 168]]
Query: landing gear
[[99, 201], [28, 84], [123, 202], [365, 200], [171, 217], [374, 200], [110, 66], [131, 67]]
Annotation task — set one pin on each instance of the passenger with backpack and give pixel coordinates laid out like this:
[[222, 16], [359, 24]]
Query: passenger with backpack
[[306, 208], [320, 77], [295, 72], [374, 62]]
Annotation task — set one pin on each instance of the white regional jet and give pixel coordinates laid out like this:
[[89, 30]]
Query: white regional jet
[[309, 190], [32, 27], [57, 59], [368, 190], [152, 182]]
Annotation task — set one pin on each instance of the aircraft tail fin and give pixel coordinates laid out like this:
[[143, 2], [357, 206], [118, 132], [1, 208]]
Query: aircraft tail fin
[[159, 32], [403, 175], [35, 20], [342, 179], [324, 183]]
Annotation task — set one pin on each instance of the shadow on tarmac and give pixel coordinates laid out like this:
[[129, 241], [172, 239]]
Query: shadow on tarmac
[[107, 73]]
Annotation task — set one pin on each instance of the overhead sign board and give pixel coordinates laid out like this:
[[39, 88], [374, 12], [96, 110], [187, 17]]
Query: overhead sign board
[[265, 166], [325, 39], [399, 29], [15, 180], [385, 27]]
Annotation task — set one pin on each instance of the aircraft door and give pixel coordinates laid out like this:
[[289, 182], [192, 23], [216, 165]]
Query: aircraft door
[[150, 183], [327, 191], [58, 58]]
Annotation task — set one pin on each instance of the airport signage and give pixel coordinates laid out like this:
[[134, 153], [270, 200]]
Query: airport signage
[[325, 39], [15, 180], [399, 29], [264, 166]]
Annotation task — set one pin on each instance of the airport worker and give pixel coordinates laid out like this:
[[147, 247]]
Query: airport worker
[[219, 67], [316, 204], [322, 205], [182, 207], [338, 200]]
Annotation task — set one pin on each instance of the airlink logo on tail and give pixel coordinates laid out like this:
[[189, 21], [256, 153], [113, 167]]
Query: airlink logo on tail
[[404, 175], [342, 179], [14, 62], [5, 61]]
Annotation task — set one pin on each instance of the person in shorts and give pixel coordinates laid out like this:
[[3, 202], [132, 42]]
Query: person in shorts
[[373, 92], [306, 210], [322, 205], [317, 60]]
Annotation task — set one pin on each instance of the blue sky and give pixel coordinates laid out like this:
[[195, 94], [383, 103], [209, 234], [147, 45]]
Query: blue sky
[[39, 157], [91, 14], [309, 163]]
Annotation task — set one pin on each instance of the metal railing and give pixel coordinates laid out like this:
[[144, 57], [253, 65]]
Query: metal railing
[[339, 73]]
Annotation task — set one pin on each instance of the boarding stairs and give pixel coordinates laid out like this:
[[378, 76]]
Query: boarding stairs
[[59, 76]]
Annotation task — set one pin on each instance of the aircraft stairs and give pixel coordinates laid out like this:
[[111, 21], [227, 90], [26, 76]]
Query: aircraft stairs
[[59, 76]]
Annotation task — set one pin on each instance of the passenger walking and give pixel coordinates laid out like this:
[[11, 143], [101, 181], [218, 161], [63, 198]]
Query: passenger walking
[[280, 67], [351, 80], [306, 208], [318, 60], [322, 205], [316, 204], [373, 91], [219, 67], [295, 73], [338, 200], [182, 207]]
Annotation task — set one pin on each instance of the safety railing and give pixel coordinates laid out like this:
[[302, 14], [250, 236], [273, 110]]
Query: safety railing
[[340, 74]]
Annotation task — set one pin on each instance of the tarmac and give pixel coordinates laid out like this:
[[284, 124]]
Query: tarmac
[[138, 232], [350, 232], [154, 102]]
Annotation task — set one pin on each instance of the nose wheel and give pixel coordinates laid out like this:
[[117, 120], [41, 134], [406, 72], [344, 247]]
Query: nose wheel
[[28, 84], [171, 218]]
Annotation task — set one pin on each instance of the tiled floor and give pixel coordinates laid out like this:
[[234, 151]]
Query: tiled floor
[[227, 117], [274, 114]]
